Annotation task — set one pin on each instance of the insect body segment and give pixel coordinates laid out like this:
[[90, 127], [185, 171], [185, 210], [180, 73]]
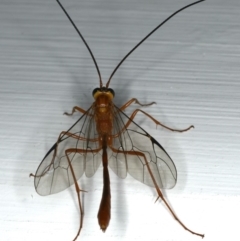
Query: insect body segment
[[104, 213], [103, 116]]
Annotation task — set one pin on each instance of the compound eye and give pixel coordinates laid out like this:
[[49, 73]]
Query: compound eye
[[111, 91], [95, 91]]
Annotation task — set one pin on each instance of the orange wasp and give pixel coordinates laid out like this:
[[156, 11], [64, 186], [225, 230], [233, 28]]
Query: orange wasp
[[104, 133]]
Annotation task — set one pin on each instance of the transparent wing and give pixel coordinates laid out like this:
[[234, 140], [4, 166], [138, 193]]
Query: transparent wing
[[54, 173], [129, 144]]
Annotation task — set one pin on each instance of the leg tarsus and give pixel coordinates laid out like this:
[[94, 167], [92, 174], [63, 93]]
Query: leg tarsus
[[137, 102], [157, 122], [75, 109], [176, 130], [78, 190], [134, 100]]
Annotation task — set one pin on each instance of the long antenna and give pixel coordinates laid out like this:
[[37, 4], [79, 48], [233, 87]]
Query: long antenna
[[93, 58], [114, 71]]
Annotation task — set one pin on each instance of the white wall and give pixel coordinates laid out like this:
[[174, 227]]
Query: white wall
[[190, 67]]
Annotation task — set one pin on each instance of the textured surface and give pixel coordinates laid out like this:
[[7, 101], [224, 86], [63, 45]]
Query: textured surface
[[190, 67]]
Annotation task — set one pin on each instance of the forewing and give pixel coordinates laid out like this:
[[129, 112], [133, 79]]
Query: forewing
[[139, 154], [54, 173]]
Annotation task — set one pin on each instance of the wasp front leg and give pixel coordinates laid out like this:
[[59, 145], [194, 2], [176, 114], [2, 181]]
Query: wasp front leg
[[133, 115], [75, 109], [157, 122], [135, 101]]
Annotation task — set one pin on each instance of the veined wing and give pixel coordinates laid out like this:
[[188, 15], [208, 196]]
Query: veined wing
[[132, 141], [54, 174]]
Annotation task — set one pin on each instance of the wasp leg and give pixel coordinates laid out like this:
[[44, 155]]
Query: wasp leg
[[159, 123], [66, 133], [78, 190], [160, 195], [134, 100], [75, 109], [153, 119]]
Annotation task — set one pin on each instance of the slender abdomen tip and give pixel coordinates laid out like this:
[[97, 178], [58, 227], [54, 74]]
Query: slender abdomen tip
[[103, 228]]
